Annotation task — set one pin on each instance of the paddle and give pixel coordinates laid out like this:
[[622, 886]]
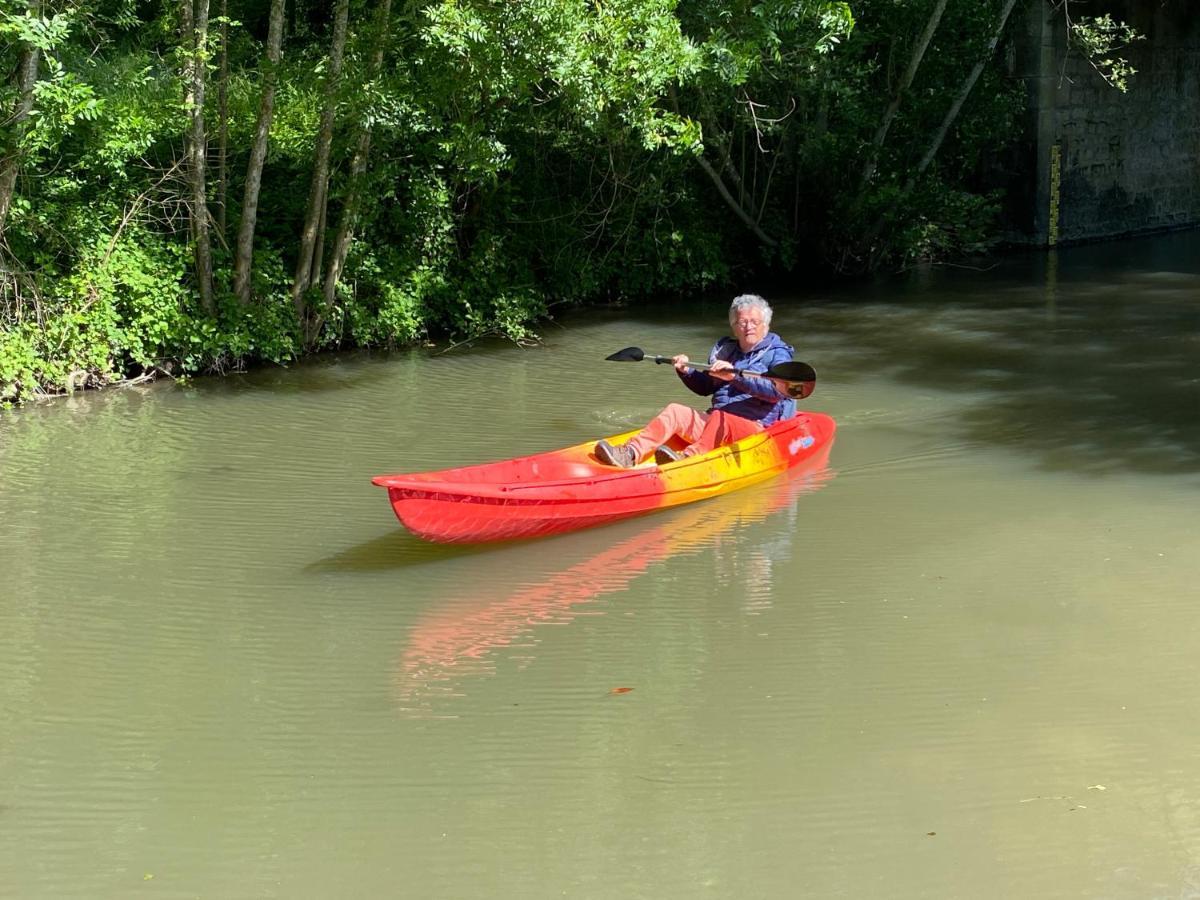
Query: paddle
[[799, 377]]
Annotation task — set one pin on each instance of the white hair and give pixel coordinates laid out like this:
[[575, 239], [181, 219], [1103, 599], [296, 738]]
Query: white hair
[[749, 301]]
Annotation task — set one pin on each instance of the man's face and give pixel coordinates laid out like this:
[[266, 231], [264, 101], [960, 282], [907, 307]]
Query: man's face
[[749, 328]]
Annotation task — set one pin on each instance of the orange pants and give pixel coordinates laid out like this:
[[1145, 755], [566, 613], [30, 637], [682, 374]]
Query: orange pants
[[702, 431]]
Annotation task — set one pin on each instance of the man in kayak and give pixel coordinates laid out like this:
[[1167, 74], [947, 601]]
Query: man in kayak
[[741, 405]]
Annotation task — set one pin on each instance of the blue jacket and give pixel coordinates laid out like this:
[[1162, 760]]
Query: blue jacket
[[751, 398]]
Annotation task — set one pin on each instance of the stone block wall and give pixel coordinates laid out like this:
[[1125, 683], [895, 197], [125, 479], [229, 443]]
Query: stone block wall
[[1106, 163]]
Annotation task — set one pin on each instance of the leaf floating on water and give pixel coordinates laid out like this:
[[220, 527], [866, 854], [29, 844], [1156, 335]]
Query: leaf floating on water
[[620, 690], [1097, 787], [930, 833]]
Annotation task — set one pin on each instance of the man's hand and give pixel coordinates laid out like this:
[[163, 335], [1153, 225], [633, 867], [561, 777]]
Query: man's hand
[[722, 370]]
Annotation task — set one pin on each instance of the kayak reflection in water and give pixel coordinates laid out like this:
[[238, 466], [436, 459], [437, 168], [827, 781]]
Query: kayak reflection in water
[[491, 628], [741, 405]]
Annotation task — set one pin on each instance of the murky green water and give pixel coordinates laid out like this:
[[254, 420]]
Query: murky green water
[[961, 664]]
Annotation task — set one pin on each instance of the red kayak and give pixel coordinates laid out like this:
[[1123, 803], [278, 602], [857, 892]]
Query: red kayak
[[569, 489]]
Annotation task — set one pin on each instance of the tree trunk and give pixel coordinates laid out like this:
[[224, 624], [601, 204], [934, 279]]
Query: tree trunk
[[905, 82], [195, 36], [358, 167], [957, 105], [24, 79], [737, 208], [319, 244], [223, 130], [345, 232], [244, 253], [320, 177]]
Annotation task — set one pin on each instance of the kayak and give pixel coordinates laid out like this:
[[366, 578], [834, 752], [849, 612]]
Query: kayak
[[568, 489]]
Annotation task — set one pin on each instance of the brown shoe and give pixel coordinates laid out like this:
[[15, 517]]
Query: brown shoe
[[664, 455], [620, 456]]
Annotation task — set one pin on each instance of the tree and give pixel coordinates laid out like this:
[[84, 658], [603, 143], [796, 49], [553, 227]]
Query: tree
[[24, 77], [874, 251], [760, 57], [358, 164], [312, 237], [223, 124], [935, 143], [244, 250], [194, 21], [918, 53]]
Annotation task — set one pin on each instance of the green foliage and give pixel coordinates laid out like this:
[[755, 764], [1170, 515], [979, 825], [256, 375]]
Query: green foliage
[[946, 223], [18, 361], [523, 155], [125, 309]]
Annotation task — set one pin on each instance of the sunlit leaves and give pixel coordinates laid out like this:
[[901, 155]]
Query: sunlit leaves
[[594, 66], [1100, 39], [44, 33]]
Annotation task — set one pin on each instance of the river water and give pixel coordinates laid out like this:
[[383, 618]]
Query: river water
[[960, 662]]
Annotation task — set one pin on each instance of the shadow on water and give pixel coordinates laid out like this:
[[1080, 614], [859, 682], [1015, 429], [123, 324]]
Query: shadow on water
[[351, 370], [342, 371], [395, 550], [354, 370], [1094, 371]]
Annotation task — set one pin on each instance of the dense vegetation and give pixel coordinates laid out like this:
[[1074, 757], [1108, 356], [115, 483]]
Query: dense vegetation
[[190, 185]]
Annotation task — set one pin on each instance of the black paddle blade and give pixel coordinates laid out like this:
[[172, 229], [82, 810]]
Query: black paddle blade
[[793, 371], [629, 354]]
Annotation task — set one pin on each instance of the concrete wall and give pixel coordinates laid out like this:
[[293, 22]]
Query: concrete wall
[[1101, 163]]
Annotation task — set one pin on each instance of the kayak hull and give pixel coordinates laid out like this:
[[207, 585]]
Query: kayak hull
[[569, 489]]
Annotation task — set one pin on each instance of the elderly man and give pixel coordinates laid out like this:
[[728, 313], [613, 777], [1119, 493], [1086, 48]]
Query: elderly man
[[741, 405]]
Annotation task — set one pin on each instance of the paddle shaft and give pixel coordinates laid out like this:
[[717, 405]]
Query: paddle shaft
[[798, 376], [704, 367]]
